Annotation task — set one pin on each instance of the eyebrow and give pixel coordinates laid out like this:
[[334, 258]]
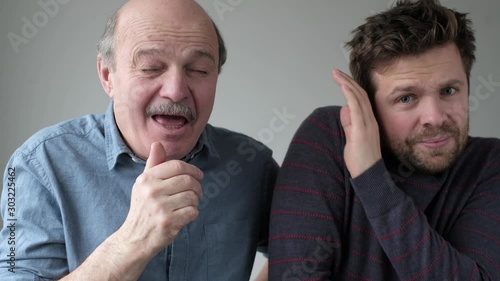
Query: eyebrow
[[148, 52], [203, 54], [412, 88], [196, 53]]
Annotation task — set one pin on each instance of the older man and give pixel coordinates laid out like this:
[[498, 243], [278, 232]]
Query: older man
[[390, 186], [148, 191]]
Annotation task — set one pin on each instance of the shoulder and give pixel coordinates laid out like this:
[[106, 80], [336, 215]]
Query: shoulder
[[65, 132], [324, 121], [231, 142], [481, 158], [322, 127], [485, 148]]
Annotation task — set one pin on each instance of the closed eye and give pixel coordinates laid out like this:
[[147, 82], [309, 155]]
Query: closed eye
[[198, 72], [150, 70]]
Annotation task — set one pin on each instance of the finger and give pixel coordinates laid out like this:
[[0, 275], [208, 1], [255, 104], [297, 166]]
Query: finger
[[345, 119], [178, 184], [186, 215], [182, 200], [174, 168], [361, 95], [355, 109], [156, 155]]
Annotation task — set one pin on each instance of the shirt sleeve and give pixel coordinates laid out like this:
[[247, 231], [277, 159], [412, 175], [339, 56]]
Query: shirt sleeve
[[308, 202], [268, 184], [471, 251], [32, 238]]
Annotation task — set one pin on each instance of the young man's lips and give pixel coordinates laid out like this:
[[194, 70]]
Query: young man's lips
[[436, 142]]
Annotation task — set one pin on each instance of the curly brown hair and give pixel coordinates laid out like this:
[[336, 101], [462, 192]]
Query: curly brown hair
[[408, 28]]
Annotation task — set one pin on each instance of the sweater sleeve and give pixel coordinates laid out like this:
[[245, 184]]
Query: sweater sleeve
[[308, 202], [417, 252]]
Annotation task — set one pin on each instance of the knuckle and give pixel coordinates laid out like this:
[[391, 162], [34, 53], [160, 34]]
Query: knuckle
[[192, 213], [176, 166], [141, 179]]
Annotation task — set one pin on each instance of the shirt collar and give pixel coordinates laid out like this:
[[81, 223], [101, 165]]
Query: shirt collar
[[115, 145]]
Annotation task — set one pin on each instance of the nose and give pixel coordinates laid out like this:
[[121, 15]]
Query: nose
[[433, 112], [174, 85]]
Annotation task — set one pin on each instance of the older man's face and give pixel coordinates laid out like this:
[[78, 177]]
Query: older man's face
[[164, 82], [422, 108]]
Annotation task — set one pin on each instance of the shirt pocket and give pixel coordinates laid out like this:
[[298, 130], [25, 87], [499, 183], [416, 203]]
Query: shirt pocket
[[231, 249]]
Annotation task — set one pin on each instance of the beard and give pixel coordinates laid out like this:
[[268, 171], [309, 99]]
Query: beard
[[431, 160]]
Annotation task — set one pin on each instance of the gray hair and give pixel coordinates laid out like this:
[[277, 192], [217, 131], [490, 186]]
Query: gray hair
[[106, 46]]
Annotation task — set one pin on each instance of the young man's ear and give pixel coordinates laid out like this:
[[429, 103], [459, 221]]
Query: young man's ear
[[104, 71]]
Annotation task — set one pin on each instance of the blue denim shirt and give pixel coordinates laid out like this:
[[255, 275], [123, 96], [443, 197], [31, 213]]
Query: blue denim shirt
[[73, 184]]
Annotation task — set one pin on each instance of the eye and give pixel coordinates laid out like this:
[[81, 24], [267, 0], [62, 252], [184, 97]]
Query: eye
[[150, 70], [448, 91], [405, 99], [198, 72]]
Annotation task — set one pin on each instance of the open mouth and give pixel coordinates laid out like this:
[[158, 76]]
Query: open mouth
[[170, 121]]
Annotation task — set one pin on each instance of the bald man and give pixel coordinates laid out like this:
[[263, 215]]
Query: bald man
[[148, 190]]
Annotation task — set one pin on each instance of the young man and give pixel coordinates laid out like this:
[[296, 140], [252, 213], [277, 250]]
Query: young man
[[390, 186], [148, 191]]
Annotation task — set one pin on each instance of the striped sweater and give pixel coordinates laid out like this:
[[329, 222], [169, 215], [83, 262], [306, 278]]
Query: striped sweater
[[390, 223]]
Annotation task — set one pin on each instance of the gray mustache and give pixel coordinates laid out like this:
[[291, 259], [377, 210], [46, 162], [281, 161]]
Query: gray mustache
[[171, 108]]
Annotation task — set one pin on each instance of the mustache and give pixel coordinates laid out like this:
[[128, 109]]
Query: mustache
[[172, 108], [447, 129]]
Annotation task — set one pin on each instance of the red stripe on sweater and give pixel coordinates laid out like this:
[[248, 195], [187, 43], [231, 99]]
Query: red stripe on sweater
[[307, 191], [492, 238], [426, 186], [334, 113], [293, 260], [324, 127], [489, 195], [476, 252], [412, 250], [316, 170], [370, 258], [357, 277], [431, 265], [364, 230], [492, 164], [486, 214], [304, 214], [474, 272], [401, 229], [319, 148], [453, 272], [304, 237]]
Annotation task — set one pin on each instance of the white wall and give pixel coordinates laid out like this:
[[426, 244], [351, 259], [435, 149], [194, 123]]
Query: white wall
[[281, 53]]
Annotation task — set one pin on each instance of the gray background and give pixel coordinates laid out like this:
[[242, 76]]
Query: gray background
[[281, 53]]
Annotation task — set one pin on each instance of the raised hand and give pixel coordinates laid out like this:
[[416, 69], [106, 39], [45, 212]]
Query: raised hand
[[362, 149], [164, 199]]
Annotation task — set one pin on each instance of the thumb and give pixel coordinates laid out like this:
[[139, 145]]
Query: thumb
[[156, 155], [345, 117]]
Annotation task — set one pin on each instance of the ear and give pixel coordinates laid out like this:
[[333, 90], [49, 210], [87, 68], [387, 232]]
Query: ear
[[104, 72]]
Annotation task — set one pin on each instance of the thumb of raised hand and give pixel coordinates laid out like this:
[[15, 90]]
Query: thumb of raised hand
[[156, 155]]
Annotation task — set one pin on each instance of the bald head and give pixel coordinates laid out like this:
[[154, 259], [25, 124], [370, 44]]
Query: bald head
[[137, 16], [175, 13]]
